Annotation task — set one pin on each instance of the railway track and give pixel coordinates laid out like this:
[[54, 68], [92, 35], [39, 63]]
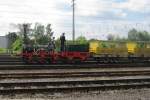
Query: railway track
[[62, 86], [16, 77], [77, 74], [69, 66], [19, 81], [62, 73]]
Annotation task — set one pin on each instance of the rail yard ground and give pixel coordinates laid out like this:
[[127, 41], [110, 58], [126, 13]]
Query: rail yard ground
[[73, 82], [129, 94]]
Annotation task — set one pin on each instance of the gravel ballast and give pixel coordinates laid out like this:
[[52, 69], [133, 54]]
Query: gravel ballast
[[131, 94]]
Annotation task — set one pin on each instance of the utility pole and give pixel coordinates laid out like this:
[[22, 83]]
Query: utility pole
[[73, 20]]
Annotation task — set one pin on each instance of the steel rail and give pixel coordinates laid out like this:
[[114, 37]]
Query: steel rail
[[74, 85], [72, 74], [68, 66]]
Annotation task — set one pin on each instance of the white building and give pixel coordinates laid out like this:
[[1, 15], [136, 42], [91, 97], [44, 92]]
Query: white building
[[3, 42]]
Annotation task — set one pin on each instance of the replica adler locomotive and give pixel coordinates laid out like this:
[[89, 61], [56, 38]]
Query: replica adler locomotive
[[98, 51], [47, 54]]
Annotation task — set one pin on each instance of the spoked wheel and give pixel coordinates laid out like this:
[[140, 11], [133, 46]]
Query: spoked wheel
[[27, 61], [42, 61], [49, 60], [77, 61]]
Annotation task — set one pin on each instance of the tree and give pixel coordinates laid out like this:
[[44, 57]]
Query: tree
[[43, 40], [39, 29], [21, 28], [134, 35], [12, 36], [93, 40], [111, 37], [38, 33], [49, 32], [144, 36], [57, 44], [17, 45], [81, 40], [34, 36]]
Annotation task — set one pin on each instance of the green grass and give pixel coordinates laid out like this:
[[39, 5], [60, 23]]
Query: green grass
[[3, 50], [17, 45]]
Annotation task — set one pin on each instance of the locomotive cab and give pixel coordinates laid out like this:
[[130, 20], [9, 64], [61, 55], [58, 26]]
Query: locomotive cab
[[74, 53]]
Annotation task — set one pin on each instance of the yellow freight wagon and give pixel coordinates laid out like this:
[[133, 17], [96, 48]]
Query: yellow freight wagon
[[142, 50], [119, 49], [131, 47], [108, 48]]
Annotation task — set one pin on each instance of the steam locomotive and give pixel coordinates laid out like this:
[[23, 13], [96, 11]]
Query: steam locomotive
[[42, 54]]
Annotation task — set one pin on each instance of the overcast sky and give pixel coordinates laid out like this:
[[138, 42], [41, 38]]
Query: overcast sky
[[94, 18]]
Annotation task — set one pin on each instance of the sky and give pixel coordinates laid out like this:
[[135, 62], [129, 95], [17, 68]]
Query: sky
[[94, 18]]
